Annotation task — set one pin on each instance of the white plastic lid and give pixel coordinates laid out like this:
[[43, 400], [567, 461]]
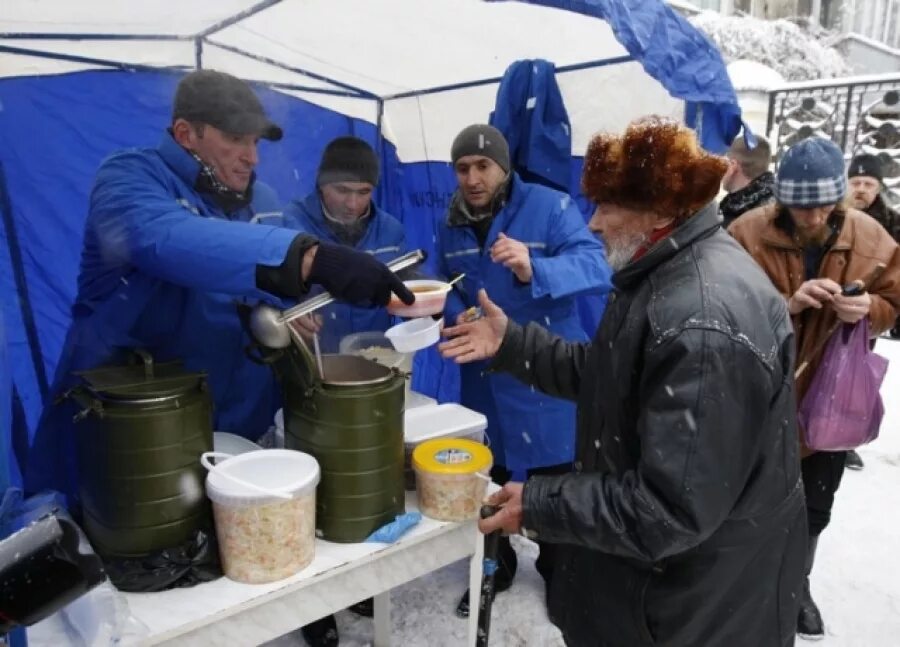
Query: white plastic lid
[[285, 471], [439, 420], [414, 399]]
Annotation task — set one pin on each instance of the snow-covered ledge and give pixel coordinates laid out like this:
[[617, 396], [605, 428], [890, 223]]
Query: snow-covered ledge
[[752, 83]]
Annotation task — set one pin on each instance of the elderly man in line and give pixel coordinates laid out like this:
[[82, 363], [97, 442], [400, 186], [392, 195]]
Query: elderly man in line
[[682, 523]]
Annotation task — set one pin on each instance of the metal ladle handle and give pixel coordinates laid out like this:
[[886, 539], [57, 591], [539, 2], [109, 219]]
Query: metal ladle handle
[[311, 305]]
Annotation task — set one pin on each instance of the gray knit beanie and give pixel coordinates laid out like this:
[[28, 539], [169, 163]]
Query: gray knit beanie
[[481, 139]]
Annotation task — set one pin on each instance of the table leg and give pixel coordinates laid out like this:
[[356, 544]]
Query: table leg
[[381, 606], [475, 571]]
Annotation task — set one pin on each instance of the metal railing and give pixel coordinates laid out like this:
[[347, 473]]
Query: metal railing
[[860, 116]]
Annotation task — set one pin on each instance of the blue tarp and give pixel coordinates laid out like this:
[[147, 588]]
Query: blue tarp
[[677, 55], [56, 130]]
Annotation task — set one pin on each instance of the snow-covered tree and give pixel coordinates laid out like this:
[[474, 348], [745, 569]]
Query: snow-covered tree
[[796, 51]]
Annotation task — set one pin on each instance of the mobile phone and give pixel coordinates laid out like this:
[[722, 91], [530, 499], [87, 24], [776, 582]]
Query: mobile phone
[[852, 289]]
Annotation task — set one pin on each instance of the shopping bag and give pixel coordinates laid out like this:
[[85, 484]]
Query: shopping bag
[[842, 408]]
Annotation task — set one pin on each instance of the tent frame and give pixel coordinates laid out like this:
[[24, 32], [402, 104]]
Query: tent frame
[[201, 40]]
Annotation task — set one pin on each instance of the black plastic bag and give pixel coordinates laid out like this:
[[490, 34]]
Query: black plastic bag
[[193, 562]]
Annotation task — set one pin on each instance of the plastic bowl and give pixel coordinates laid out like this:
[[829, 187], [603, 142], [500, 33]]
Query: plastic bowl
[[414, 335], [430, 298]]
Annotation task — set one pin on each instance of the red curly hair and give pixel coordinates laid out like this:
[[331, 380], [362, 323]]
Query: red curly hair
[[657, 165]]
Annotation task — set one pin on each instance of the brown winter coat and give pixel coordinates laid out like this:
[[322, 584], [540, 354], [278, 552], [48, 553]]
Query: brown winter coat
[[861, 244]]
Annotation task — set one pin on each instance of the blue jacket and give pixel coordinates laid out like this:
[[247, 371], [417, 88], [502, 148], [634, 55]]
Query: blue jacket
[[384, 239], [163, 268], [531, 115], [526, 429]]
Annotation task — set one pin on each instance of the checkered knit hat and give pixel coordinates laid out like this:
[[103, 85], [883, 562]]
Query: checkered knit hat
[[811, 174]]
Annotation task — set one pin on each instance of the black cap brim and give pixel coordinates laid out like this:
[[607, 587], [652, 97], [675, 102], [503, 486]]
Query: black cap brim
[[251, 123]]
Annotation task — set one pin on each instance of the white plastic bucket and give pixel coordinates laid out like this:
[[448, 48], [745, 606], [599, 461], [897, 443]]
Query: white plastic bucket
[[264, 505]]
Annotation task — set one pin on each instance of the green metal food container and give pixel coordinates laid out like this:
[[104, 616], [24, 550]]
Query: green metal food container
[[141, 431], [351, 421]]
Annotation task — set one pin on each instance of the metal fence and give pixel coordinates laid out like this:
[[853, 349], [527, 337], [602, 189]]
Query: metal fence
[[859, 116]]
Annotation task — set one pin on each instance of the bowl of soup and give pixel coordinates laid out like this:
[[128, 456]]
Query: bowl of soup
[[430, 298]]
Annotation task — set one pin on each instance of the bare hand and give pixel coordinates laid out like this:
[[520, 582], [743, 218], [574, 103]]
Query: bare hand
[[513, 255], [307, 325], [852, 309], [812, 294], [479, 339], [509, 517]]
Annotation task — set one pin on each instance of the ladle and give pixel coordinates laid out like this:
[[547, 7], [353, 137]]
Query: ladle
[[270, 325]]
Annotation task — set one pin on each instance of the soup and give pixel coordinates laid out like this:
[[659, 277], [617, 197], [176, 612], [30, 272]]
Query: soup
[[422, 289]]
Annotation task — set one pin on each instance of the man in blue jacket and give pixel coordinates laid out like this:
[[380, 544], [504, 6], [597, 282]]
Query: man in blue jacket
[[174, 242], [341, 211], [530, 248]]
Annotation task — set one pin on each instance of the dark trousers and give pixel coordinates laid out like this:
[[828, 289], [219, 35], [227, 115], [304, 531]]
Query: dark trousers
[[506, 568], [822, 474]]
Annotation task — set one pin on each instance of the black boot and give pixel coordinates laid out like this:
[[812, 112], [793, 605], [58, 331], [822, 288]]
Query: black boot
[[809, 620], [853, 461], [507, 563], [321, 633]]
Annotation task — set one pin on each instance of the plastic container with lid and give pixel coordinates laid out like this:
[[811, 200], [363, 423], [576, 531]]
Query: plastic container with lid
[[435, 420], [264, 505], [451, 477]]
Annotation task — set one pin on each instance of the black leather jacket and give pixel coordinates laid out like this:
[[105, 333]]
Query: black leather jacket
[[683, 524]]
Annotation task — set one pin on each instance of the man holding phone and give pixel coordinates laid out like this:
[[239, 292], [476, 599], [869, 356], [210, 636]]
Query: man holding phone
[[825, 260]]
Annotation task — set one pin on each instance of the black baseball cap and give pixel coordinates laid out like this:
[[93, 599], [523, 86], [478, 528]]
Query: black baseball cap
[[224, 102]]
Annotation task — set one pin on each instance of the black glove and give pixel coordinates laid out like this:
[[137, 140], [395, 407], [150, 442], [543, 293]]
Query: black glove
[[356, 277]]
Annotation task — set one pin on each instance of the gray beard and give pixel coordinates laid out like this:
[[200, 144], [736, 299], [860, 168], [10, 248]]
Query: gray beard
[[620, 254]]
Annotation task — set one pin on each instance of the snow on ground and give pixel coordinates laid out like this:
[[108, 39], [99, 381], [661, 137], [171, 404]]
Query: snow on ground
[[856, 579]]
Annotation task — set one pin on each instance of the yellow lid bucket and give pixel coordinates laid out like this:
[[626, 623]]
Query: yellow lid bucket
[[457, 456]]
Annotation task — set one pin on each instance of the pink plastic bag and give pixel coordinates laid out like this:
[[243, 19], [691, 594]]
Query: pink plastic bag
[[842, 408]]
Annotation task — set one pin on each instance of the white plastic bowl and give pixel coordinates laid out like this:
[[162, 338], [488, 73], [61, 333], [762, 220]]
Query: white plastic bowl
[[414, 335], [430, 298]]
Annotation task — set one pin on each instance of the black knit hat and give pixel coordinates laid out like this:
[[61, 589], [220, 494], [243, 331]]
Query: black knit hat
[[224, 102], [481, 139], [868, 165], [348, 159]]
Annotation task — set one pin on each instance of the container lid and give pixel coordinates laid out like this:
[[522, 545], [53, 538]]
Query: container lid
[[279, 470], [137, 381], [439, 420], [452, 456]]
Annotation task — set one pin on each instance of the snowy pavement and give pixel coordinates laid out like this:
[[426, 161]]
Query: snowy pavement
[[856, 579]]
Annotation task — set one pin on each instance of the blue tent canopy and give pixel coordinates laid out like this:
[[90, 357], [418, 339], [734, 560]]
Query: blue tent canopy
[[70, 96]]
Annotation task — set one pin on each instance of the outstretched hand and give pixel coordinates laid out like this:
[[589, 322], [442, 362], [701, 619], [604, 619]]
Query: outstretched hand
[[479, 339]]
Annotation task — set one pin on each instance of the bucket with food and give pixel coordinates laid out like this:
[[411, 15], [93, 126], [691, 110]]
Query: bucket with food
[[264, 505], [432, 421], [430, 298], [451, 477]]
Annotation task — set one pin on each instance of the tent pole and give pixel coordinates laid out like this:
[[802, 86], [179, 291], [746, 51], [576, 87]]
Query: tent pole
[[472, 84], [15, 260], [128, 67], [198, 53], [238, 17], [269, 61]]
